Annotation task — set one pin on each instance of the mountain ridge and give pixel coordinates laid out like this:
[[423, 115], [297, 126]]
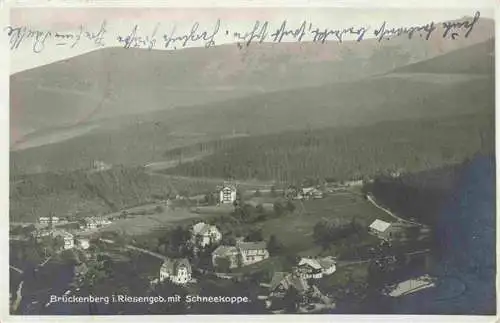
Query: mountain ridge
[[115, 82]]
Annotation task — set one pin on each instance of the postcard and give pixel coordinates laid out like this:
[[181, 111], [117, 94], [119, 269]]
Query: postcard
[[251, 161]]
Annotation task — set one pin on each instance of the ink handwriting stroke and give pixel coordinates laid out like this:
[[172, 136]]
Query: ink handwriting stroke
[[207, 36], [40, 38]]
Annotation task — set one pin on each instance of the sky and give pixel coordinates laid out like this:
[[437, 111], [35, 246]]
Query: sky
[[120, 21]]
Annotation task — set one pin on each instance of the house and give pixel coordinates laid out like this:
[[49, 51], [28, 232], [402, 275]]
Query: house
[[205, 234], [96, 222], [243, 254], [99, 166], [293, 192], [46, 220], [69, 239], [41, 233], [101, 221], [379, 228], [227, 194], [177, 271], [310, 268], [358, 182], [230, 253], [394, 231], [312, 193], [282, 282], [252, 252], [90, 223], [83, 243]]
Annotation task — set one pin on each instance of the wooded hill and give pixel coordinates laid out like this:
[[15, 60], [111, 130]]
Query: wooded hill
[[343, 153]]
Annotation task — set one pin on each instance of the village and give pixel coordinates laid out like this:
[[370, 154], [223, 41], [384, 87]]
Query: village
[[207, 250]]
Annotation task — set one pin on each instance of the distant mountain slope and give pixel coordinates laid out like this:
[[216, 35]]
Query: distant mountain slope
[[114, 82], [141, 139], [479, 58]]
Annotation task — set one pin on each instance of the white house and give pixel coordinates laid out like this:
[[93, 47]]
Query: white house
[[316, 267], [252, 252], [205, 234], [227, 194], [177, 271], [96, 222], [385, 230], [47, 220], [312, 193], [83, 243], [69, 239]]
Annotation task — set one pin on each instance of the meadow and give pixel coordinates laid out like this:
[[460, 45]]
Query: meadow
[[295, 230]]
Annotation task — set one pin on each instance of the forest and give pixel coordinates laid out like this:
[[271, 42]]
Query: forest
[[341, 153]]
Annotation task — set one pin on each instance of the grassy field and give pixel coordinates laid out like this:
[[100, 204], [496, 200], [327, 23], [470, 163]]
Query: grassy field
[[295, 230], [143, 224]]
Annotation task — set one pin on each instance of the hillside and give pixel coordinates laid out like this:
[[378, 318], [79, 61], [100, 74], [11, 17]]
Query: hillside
[[460, 61], [82, 193], [351, 104], [115, 82], [345, 153]]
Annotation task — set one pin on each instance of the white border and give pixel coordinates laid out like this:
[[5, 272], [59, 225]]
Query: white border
[[4, 146]]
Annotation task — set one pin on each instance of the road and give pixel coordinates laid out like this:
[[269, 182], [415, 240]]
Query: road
[[372, 201], [151, 253]]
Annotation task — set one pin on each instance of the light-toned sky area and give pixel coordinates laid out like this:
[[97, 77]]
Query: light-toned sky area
[[120, 21]]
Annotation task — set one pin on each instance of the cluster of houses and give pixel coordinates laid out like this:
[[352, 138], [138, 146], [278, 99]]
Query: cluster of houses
[[241, 254], [95, 222], [306, 270], [46, 220], [244, 253], [305, 193], [69, 239]]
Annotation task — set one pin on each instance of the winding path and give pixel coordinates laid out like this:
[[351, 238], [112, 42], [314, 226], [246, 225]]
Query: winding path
[[372, 201]]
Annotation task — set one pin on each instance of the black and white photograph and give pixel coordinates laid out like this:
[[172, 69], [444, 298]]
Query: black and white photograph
[[251, 160]]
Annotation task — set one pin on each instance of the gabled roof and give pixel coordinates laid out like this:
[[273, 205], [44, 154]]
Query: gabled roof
[[327, 262], [252, 245], [278, 277], [224, 250], [310, 262], [380, 225], [200, 228], [227, 186], [288, 280]]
